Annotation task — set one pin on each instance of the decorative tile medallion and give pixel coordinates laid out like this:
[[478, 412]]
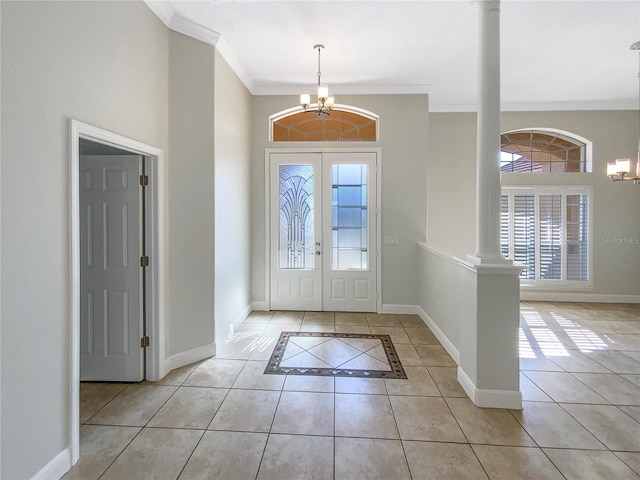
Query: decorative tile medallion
[[357, 355]]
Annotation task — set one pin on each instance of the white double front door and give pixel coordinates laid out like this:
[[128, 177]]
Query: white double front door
[[323, 223]]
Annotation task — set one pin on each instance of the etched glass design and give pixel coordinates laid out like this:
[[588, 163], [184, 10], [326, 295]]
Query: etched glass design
[[349, 217], [296, 242]]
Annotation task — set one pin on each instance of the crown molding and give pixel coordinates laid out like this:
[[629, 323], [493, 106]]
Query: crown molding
[[435, 107], [338, 89]]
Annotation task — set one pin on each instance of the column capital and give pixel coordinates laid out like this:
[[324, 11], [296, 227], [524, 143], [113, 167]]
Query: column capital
[[487, 5]]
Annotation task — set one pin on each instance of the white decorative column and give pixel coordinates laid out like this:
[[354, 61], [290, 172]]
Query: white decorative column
[[488, 130], [489, 284]]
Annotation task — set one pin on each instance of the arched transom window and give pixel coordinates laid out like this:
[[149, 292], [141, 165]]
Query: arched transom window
[[345, 124], [542, 151]]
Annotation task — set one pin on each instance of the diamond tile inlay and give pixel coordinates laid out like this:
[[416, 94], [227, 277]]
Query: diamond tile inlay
[[335, 355]]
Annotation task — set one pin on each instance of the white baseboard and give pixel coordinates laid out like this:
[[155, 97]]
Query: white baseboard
[[240, 317], [260, 306], [442, 338], [56, 468], [399, 309], [576, 297], [194, 355], [486, 398]]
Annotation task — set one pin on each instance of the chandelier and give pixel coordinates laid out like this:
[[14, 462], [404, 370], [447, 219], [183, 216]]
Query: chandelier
[[621, 169], [325, 101]]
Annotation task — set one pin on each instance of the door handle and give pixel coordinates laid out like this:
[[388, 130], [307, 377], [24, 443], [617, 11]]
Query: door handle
[[318, 252]]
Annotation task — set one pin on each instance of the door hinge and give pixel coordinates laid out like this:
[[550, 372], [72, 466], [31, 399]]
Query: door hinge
[[144, 180], [144, 342], [144, 261]]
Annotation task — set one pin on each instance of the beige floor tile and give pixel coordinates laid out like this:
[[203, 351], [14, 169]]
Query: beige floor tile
[[574, 361], [610, 425], [362, 344], [99, 447], [258, 316], [488, 425], [359, 458], [291, 350], [539, 363], [408, 355], [589, 465], [432, 460], [352, 329], [240, 345], [364, 416], [509, 463], [635, 379], [563, 387], [622, 326], [397, 334], [550, 426], [612, 387], [365, 362], [617, 362], [177, 376], [252, 327], [189, 407], [226, 455], [378, 353], [315, 327], [334, 352], [633, 412], [351, 319], [425, 418], [621, 341], [246, 411], [305, 413], [215, 373], [135, 406], [294, 318], [303, 383], [304, 360], [446, 379], [411, 321], [318, 318], [370, 386], [632, 459], [297, 457], [435, 356], [158, 453], [421, 336], [308, 342], [94, 396], [263, 349], [418, 382], [531, 392], [252, 376], [383, 320]]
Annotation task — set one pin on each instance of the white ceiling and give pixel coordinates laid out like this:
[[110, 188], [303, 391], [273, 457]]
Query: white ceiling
[[557, 55]]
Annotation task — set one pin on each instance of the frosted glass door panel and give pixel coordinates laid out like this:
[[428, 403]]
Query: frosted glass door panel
[[349, 217], [296, 249]]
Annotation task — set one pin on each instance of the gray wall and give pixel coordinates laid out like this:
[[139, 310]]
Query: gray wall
[[104, 63], [451, 182], [232, 199], [403, 140], [191, 186]]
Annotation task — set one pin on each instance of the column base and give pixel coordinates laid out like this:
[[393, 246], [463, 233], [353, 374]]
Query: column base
[[511, 399]]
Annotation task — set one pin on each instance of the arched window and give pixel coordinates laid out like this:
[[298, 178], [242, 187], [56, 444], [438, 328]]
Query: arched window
[[345, 124], [544, 150]]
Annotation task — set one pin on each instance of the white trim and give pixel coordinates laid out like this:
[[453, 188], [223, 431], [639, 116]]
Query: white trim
[[508, 399], [241, 317], [56, 468], [156, 368], [260, 306], [577, 297], [442, 338], [424, 246], [310, 149], [346, 89], [536, 106], [190, 356], [194, 30], [162, 10], [399, 309]]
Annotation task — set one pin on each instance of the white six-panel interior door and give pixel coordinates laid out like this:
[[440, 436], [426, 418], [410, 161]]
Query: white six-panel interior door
[[323, 211]]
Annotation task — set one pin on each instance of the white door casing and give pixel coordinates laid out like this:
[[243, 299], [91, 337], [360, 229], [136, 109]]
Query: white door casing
[[329, 283], [111, 307]]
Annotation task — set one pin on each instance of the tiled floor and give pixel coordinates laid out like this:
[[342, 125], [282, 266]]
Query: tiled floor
[[223, 418]]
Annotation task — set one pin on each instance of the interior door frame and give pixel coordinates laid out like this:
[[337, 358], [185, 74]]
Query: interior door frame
[[156, 251], [378, 207]]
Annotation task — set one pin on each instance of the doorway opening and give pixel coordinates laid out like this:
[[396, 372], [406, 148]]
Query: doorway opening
[[117, 158]]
